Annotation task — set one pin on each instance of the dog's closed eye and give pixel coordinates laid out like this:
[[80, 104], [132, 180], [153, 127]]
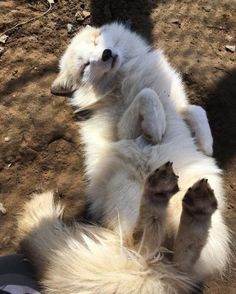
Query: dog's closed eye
[[84, 67]]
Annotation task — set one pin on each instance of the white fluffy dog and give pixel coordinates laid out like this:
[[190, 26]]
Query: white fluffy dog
[[132, 90]]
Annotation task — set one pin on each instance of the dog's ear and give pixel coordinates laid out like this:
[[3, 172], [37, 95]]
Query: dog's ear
[[62, 86]]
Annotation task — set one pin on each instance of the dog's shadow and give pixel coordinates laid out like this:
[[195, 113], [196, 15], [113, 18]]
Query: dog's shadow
[[136, 14], [221, 110]]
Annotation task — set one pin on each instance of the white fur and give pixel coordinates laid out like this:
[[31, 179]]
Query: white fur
[[85, 259], [138, 66], [142, 80]]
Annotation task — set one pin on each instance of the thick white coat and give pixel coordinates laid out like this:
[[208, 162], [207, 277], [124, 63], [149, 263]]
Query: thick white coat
[[140, 81]]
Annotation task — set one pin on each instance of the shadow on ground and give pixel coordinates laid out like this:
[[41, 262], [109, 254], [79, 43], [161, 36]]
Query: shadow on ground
[[136, 14], [221, 109]]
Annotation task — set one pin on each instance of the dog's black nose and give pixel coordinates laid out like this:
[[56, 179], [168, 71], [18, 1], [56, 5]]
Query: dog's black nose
[[106, 55]]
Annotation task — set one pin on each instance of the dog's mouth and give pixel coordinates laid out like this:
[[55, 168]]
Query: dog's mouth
[[62, 92]]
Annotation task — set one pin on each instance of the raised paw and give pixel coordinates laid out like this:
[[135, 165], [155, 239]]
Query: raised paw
[[200, 199], [153, 119], [153, 129], [197, 118], [162, 184]]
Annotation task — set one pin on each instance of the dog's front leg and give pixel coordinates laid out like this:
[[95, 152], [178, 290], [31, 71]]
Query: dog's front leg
[[199, 203], [159, 187], [145, 116]]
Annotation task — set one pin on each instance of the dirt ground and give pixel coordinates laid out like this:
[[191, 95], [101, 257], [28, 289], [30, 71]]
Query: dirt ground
[[39, 144]]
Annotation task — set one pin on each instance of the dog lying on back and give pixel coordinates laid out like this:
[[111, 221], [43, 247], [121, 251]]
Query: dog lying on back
[[132, 90]]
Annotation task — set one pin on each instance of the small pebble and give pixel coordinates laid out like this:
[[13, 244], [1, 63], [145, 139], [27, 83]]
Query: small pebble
[[79, 16], [69, 27], [85, 13], [207, 8], [1, 49], [6, 139], [230, 48], [3, 39], [2, 209]]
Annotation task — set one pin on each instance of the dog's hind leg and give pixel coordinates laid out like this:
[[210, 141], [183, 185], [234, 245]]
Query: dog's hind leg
[[196, 118], [160, 186], [199, 203], [144, 116]]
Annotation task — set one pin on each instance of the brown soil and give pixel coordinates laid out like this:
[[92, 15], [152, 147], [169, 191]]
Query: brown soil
[[39, 144]]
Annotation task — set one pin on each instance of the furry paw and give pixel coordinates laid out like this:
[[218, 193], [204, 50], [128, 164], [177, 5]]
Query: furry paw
[[153, 129], [206, 144], [153, 117], [200, 199], [197, 119], [162, 184]]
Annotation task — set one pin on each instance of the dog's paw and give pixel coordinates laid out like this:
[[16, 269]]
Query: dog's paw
[[200, 199], [197, 118], [153, 129], [162, 184], [206, 144], [153, 119]]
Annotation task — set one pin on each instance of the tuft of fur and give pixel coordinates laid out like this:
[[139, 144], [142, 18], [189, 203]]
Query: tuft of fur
[[89, 259]]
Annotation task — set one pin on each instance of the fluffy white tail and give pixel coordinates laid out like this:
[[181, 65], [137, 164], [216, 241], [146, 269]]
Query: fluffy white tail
[[88, 259]]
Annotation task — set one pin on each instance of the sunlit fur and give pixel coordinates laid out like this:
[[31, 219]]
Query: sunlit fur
[[111, 91], [89, 259], [141, 81], [117, 171]]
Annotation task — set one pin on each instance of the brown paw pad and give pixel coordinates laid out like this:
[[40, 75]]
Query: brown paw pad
[[200, 199], [162, 183]]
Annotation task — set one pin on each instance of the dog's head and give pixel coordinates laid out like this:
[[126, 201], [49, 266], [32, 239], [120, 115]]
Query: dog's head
[[87, 61], [95, 56]]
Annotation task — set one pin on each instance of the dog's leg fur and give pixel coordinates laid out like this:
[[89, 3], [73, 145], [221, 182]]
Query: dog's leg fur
[[160, 186], [121, 210], [196, 118], [88, 259], [144, 116], [199, 203]]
